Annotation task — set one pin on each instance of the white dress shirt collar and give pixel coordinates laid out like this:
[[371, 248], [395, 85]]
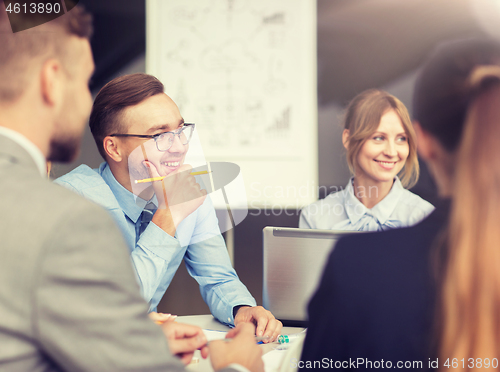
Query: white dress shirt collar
[[29, 146]]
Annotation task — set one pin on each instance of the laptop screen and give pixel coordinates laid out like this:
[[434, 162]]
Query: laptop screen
[[294, 260]]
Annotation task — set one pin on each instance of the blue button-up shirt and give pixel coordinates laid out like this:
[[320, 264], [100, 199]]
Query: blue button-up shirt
[[343, 211], [156, 255]]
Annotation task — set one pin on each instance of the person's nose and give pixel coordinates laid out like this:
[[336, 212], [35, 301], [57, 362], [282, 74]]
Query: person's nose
[[177, 145], [390, 149]]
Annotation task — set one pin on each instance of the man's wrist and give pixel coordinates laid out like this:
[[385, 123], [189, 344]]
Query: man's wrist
[[236, 308], [164, 220]]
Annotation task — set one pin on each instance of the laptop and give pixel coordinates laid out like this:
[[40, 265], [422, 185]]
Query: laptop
[[294, 260]]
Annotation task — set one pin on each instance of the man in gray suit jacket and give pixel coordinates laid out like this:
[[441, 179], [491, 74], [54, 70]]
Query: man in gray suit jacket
[[68, 296]]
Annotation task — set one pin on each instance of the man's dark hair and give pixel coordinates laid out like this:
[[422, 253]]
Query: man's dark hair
[[113, 98], [442, 93], [22, 50]]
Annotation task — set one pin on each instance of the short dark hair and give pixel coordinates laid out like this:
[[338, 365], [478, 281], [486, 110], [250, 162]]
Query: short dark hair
[[113, 98], [21, 49], [442, 94]]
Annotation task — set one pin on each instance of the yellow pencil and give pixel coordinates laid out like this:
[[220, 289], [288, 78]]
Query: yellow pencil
[[162, 177], [199, 173]]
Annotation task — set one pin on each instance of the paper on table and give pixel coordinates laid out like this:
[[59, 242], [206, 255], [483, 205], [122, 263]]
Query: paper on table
[[214, 335], [273, 359]]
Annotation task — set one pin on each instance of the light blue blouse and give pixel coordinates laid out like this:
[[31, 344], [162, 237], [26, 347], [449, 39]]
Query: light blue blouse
[[343, 211]]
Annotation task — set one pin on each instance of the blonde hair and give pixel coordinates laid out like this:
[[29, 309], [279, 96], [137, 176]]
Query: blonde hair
[[362, 119], [470, 301]]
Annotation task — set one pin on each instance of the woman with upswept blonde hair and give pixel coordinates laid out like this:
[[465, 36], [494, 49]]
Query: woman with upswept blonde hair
[[470, 303]]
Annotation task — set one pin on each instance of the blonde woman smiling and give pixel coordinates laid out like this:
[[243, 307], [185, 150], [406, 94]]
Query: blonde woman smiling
[[380, 144]]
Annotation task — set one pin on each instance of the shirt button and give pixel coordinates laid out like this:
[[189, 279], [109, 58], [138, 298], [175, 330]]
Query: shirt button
[[228, 319]]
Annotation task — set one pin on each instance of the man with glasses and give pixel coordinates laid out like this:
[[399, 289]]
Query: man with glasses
[[140, 133]]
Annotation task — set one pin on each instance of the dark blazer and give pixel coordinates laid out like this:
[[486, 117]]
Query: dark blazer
[[376, 299]]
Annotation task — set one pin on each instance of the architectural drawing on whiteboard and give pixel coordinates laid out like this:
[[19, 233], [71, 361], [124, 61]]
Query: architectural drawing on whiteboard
[[182, 96], [274, 19], [180, 54], [245, 72], [281, 125], [275, 85], [229, 57], [229, 71], [231, 118]]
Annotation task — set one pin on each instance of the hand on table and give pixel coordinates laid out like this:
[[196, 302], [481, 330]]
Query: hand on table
[[160, 318], [267, 324], [242, 349], [184, 339]]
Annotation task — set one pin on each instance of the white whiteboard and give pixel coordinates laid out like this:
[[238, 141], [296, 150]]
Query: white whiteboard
[[245, 72]]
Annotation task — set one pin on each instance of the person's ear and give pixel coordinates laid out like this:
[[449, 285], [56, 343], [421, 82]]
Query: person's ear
[[345, 138], [425, 142], [52, 82], [112, 147]]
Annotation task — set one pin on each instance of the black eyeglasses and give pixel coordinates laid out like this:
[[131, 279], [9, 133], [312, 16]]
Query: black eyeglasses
[[165, 140]]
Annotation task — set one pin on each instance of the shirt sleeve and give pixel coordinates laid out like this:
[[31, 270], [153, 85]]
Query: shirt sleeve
[[304, 220], [88, 313], [151, 258], [421, 210], [207, 261]]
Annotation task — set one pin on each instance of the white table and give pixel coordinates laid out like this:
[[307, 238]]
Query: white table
[[209, 322]]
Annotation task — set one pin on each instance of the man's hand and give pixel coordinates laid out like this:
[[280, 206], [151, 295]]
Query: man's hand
[[178, 196], [242, 349], [184, 339], [267, 324], [160, 318]]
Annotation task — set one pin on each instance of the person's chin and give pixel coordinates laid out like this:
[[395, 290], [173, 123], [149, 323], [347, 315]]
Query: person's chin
[[387, 178], [64, 151], [380, 177]]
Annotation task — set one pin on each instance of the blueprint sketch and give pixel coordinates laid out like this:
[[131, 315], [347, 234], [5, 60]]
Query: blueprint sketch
[[245, 73]]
